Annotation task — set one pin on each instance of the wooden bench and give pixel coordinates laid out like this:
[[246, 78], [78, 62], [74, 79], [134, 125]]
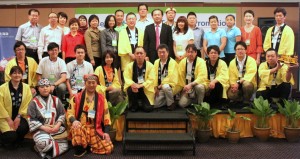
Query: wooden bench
[[160, 128]]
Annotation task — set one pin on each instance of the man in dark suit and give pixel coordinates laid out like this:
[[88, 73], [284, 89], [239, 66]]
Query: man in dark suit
[[156, 34]]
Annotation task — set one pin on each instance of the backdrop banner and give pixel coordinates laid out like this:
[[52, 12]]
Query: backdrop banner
[[7, 42], [203, 13]]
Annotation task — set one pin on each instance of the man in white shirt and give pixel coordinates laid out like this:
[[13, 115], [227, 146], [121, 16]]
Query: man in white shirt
[[144, 20], [77, 69], [29, 34], [50, 33], [54, 69]]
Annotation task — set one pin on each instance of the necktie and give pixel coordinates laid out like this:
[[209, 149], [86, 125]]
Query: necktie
[[157, 36]]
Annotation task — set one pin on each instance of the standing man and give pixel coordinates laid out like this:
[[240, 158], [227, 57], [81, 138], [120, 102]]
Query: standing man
[[156, 34], [192, 76], [139, 78], [29, 34], [171, 14], [129, 39], [50, 33], [242, 75], [281, 36], [166, 78], [144, 20], [198, 32], [119, 14]]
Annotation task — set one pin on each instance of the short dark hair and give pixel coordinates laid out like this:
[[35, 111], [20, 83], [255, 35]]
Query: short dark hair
[[130, 13], [33, 10], [52, 45], [15, 69], [230, 15], [80, 46], [82, 17], [62, 14], [191, 46], [240, 43], [213, 17], [163, 46], [271, 49], [107, 19], [72, 21], [119, 10], [18, 44], [162, 13], [111, 54], [190, 14], [138, 47], [142, 4], [92, 17], [213, 47], [249, 11], [186, 26], [280, 10]]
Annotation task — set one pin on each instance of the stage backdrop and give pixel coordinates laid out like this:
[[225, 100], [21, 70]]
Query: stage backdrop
[[203, 13], [7, 41]]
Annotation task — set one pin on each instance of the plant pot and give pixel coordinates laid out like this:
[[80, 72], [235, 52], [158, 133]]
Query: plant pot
[[262, 133], [292, 134], [233, 136], [203, 135], [112, 134]]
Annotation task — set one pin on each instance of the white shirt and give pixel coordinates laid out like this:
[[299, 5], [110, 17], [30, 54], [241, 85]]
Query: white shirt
[[29, 35], [47, 68], [47, 36], [66, 30], [241, 64], [276, 33], [189, 68], [142, 24], [133, 38], [181, 40]]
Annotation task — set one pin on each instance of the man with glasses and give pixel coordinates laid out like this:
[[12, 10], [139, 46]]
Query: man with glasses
[[29, 34], [50, 33], [242, 75]]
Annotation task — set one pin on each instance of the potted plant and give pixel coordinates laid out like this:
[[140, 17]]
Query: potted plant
[[203, 115], [233, 134], [262, 110], [115, 112], [291, 111]]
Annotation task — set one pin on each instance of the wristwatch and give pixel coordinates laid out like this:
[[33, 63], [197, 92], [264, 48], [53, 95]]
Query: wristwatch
[[238, 82]]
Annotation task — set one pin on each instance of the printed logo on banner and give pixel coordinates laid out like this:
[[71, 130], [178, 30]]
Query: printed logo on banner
[[7, 41]]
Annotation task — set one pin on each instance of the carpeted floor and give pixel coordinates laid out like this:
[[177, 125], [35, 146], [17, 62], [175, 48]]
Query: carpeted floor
[[247, 148]]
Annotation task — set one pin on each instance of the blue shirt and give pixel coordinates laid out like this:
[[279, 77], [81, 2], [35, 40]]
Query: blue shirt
[[231, 35], [215, 38]]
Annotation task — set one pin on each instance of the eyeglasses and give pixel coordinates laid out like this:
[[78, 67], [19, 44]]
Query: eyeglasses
[[17, 50], [240, 49]]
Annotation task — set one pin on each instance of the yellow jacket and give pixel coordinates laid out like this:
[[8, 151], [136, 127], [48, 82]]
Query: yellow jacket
[[148, 84], [32, 81], [286, 45], [200, 72], [250, 74], [266, 78], [124, 46], [172, 77], [222, 76], [100, 74], [6, 104]]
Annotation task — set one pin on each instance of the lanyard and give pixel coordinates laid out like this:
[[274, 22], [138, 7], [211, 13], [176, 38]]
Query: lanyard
[[275, 73], [165, 68], [193, 70], [244, 67], [211, 69], [133, 46]]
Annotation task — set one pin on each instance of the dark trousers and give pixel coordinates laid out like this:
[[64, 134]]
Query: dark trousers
[[281, 91], [214, 96], [12, 137], [69, 59], [138, 100], [229, 57], [33, 54], [199, 53]]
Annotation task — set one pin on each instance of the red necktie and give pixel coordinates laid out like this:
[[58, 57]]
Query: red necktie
[[157, 35]]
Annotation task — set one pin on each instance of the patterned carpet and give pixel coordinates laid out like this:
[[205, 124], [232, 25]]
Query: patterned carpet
[[247, 148]]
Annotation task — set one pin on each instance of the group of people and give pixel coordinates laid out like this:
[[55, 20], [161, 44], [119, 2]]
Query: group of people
[[154, 63]]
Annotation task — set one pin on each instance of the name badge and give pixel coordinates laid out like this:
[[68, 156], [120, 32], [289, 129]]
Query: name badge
[[212, 76], [79, 80], [91, 114], [141, 79], [108, 84], [273, 83], [240, 74], [33, 39], [48, 115], [247, 42], [179, 47], [188, 76], [114, 42], [25, 76], [52, 78]]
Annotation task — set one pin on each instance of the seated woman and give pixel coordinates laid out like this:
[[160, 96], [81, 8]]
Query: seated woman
[[14, 99], [108, 78], [90, 120], [46, 116]]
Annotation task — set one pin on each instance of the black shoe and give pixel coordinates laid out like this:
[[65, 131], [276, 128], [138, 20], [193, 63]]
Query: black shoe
[[79, 151]]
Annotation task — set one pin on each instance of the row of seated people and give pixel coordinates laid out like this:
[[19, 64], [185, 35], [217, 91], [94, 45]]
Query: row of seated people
[[193, 78]]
